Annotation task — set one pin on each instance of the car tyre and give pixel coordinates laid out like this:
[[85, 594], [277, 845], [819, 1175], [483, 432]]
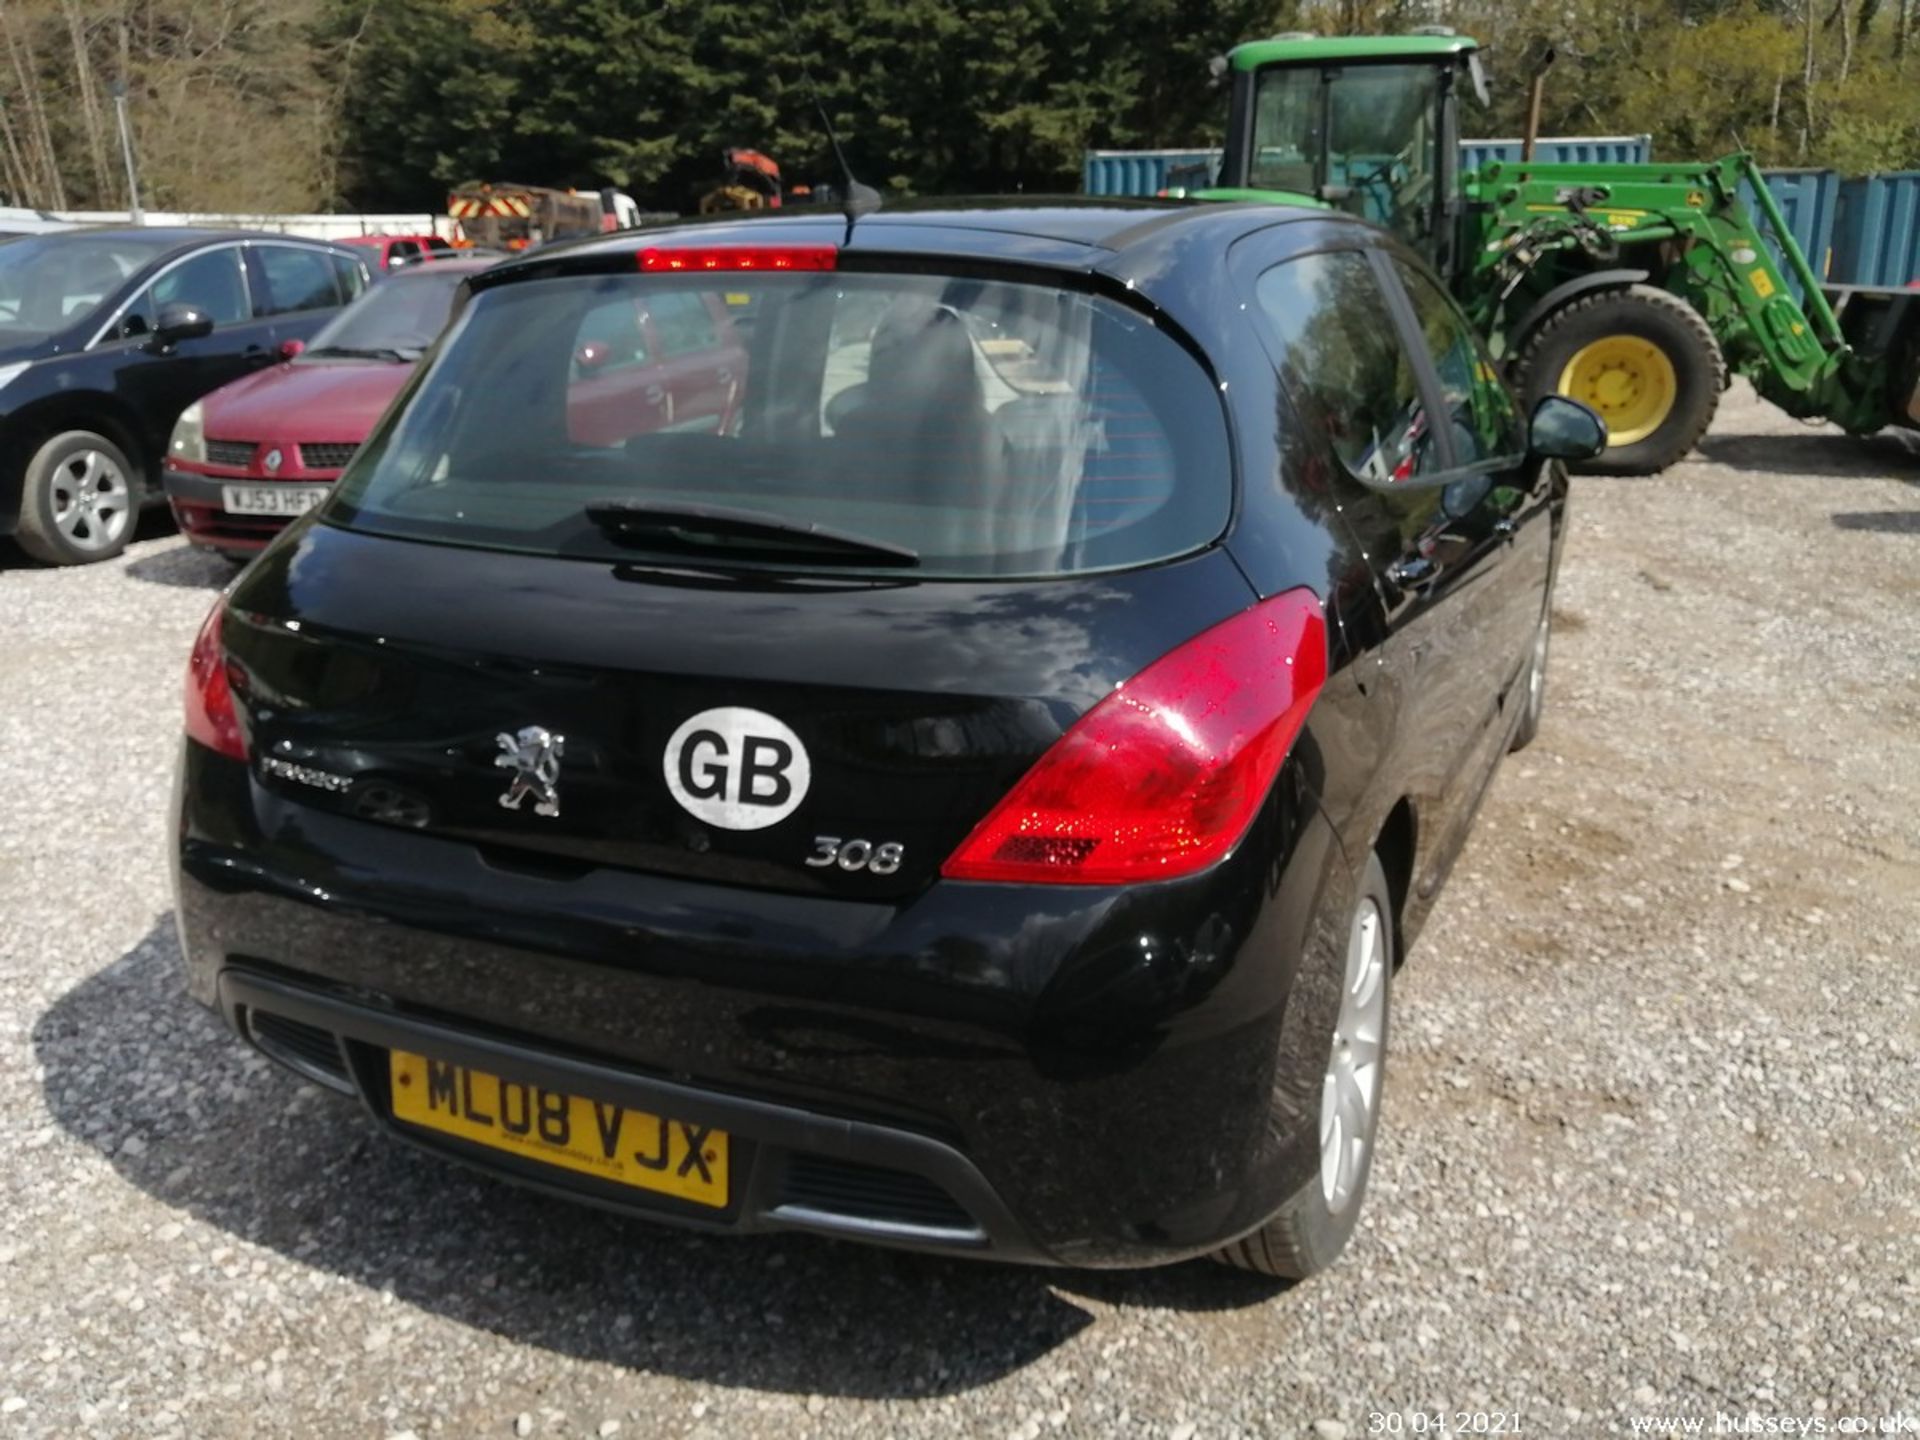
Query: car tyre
[[1535, 681], [80, 501], [1310, 1230]]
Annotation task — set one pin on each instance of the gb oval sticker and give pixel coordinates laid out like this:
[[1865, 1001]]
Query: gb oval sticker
[[738, 769]]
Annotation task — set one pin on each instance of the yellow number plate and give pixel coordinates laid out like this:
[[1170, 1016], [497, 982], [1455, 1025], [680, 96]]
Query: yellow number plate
[[592, 1137]]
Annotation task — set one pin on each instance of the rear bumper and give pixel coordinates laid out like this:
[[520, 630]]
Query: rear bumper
[[1070, 1075], [792, 1169]]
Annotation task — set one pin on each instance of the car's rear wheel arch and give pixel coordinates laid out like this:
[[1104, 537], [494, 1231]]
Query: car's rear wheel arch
[[1396, 845], [1335, 1033]]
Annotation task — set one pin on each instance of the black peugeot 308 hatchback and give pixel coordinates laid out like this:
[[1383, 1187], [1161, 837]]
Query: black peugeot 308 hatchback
[[934, 731]]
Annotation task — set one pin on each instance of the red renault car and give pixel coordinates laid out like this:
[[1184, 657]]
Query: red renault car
[[248, 459]]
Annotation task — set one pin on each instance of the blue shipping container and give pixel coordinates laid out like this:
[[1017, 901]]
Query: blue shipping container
[[1148, 172], [1562, 150], [1877, 238], [1144, 172], [1810, 202]]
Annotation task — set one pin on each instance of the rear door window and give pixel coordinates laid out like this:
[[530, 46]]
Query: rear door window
[[210, 282], [295, 279], [1339, 352], [992, 428], [350, 274]]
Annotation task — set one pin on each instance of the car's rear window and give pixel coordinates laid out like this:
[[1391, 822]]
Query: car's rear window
[[991, 427]]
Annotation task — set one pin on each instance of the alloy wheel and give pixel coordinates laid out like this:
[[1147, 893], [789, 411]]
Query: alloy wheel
[[1537, 671], [92, 506], [1350, 1094]]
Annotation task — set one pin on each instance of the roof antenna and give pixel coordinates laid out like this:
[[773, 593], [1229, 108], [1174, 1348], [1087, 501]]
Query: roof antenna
[[856, 199]]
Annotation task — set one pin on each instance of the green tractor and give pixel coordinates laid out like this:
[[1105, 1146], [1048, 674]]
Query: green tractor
[[1636, 288]]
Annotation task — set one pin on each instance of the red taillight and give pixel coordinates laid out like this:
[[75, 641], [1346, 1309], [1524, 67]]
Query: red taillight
[[1163, 776], [211, 718], [693, 258]]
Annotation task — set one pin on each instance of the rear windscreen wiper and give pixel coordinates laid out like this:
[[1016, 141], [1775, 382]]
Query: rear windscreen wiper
[[704, 528]]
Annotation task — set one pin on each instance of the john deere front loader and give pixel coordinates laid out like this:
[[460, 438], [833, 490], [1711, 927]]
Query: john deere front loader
[[1636, 288]]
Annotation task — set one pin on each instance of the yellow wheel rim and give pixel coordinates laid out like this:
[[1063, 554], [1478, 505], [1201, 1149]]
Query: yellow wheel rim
[[1630, 381]]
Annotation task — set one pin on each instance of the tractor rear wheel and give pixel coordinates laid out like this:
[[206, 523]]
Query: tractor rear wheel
[[1644, 359]]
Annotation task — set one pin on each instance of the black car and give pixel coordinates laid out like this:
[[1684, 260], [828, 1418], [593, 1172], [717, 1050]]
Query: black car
[[964, 783], [106, 335]]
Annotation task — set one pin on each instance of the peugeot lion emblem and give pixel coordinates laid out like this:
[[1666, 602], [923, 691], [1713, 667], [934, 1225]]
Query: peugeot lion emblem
[[533, 756]]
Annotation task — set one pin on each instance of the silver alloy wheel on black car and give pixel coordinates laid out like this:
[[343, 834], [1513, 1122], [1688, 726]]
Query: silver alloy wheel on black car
[[80, 500], [90, 502], [1350, 1095], [1311, 1229], [1536, 683]]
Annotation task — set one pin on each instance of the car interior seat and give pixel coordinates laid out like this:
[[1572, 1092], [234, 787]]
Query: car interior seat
[[918, 423]]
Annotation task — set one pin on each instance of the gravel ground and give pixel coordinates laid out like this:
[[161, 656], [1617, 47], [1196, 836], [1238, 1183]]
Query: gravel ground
[[1651, 1110]]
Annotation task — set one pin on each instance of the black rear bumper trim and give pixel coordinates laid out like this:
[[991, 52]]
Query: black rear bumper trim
[[775, 1131], [305, 1049]]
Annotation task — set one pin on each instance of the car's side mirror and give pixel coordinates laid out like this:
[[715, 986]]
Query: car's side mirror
[[1564, 429], [1477, 73], [179, 322], [291, 348], [591, 356]]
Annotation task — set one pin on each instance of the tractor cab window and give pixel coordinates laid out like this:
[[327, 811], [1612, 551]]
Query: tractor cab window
[[1362, 137], [1287, 111]]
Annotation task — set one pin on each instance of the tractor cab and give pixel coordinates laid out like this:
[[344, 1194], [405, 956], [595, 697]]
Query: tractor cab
[[1634, 288], [1368, 125]]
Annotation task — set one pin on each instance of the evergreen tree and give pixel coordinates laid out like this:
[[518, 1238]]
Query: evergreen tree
[[989, 96]]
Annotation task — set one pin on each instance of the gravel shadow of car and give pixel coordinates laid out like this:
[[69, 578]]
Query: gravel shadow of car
[[1889, 455], [189, 1115], [1885, 522], [182, 567]]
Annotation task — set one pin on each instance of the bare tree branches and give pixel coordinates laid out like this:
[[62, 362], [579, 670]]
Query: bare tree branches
[[225, 102]]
